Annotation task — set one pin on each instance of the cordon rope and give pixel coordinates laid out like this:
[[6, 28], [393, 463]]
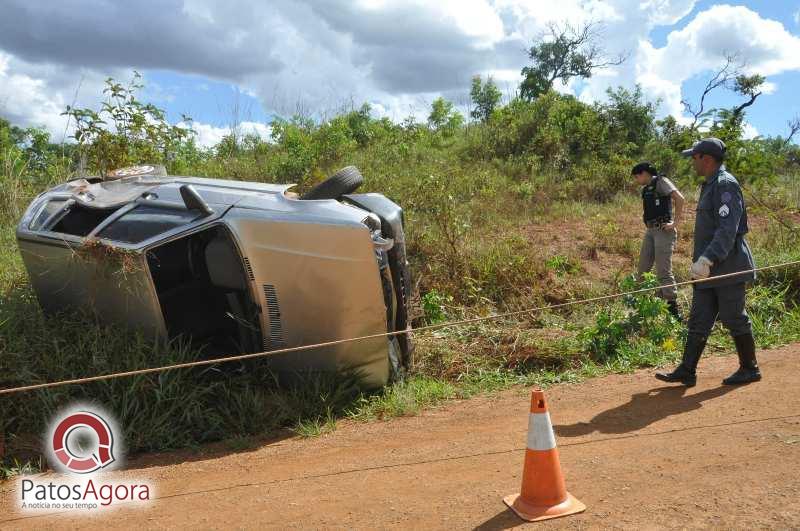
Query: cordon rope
[[448, 324]]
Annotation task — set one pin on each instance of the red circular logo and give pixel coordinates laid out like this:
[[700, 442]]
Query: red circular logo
[[99, 453]]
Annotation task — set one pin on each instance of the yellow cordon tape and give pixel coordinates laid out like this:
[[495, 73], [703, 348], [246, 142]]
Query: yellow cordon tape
[[384, 334]]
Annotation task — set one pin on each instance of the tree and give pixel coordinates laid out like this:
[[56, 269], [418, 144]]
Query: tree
[[630, 117], [721, 77], [125, 131], [485, 97], [566, 52], [748, 86], [444, 118], [360, 124], [440, 110], [729, 76], [729, 123], [794, 127]]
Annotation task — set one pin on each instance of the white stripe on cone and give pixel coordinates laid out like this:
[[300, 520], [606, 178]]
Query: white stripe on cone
[[540, 432]]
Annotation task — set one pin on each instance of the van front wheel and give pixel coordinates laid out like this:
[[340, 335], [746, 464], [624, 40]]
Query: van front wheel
[[344, 181]]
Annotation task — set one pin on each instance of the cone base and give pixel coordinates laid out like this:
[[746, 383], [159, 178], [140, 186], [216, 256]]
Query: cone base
[[533, 513]]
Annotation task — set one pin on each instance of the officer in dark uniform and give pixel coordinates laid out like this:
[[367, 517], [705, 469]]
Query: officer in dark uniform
[[720, 248]]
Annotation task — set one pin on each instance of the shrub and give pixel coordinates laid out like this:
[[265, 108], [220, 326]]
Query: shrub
[[124, 131], [640, 317]]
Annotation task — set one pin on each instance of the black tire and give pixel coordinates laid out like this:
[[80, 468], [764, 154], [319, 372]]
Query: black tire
[[344, 181]]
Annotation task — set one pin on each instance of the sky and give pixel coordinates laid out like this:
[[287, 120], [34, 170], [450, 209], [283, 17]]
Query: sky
[[245, 62]]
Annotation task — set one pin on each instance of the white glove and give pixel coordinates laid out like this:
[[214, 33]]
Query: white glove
[[702, 268]]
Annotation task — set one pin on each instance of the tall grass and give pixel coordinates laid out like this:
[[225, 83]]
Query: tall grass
[[485, 234]]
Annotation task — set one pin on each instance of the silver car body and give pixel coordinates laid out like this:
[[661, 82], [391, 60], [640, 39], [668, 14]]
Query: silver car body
[[268, 269]]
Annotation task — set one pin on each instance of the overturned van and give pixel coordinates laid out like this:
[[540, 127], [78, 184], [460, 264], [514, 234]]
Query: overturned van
[[234, 267]]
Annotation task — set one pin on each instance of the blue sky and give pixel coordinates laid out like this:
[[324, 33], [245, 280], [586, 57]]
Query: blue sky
[[202, 98], [772, 111], [245, 62]]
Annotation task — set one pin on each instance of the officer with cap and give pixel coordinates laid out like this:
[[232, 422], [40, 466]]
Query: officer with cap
[[720, 248], [661, 218]]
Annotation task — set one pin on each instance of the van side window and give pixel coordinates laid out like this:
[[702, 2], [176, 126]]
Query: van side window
[[144, 222], [50, 208]]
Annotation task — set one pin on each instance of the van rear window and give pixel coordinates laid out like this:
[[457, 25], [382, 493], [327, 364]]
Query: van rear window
[[145, 222]]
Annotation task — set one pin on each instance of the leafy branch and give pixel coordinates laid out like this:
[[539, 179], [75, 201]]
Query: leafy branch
[[125, 130]]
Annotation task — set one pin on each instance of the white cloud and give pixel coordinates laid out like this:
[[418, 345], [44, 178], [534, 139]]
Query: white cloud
[[769, 87], [208, 135], [35, 95], [264, 131], [749, 131], [476, 19], [702, 46], [397, 55], [764, 44], [24, 100]]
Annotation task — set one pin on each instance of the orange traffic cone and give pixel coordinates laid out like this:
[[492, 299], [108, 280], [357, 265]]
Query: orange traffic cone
[[543, 494]]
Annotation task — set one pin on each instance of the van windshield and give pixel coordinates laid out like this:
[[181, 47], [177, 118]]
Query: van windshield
[[81, 221]]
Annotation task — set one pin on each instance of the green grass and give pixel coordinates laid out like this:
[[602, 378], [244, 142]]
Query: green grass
[[315, 427], [14, 467], [406, 398], [180, 409], [468, 217]]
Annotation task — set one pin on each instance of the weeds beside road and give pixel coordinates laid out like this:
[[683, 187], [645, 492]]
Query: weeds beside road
[[188, 407], [501, 216]]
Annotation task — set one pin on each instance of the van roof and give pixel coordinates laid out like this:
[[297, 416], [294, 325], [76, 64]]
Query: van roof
[[112, 194]]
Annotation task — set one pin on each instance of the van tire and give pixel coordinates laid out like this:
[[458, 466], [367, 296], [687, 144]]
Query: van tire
[[344, 181]]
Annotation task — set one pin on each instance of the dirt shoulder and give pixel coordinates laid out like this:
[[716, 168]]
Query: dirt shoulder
[[638, 453]]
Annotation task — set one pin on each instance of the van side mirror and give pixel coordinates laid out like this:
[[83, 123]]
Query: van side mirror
[[193, 200]]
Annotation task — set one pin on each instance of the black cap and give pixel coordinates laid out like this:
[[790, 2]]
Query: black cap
[[707, 146], [644, 166]]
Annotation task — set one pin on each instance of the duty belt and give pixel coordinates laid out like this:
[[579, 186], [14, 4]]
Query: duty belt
[[657, 223]]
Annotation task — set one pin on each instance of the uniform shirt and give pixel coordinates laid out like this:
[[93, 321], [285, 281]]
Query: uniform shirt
[[664, 186], [719, 229]]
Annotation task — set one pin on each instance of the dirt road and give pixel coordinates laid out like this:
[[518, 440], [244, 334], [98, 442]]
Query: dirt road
[[639, 454]]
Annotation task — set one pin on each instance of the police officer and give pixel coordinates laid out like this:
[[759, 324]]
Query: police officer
[[662, 205], [719, 248]]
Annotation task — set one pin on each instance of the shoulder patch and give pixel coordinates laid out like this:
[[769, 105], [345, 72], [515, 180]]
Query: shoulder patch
[[726, 178], [726, 197], [724, 211]]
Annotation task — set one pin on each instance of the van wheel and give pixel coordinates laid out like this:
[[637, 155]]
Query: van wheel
[[344, 181]]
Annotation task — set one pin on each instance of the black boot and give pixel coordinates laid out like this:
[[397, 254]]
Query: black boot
[[685, 373], [748, 366], [673, 309]]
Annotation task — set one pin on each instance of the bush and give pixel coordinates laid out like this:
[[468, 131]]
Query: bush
[[124, 131], [473, 195], [433, 307], [640, 319]]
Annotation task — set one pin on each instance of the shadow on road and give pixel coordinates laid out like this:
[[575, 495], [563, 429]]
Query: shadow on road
[[208, 451], [504, 520], [642, 410]]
